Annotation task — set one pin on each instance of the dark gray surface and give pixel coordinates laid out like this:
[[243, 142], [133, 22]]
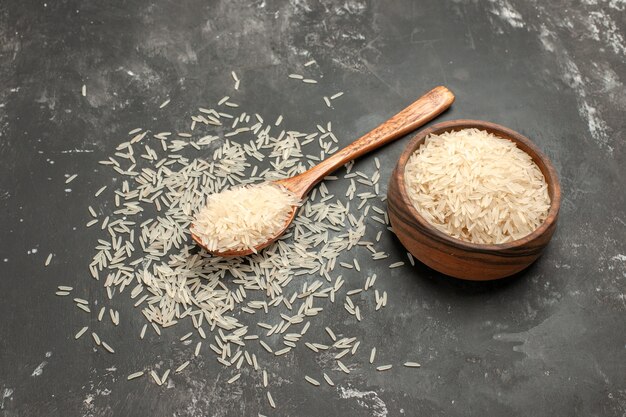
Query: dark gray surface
[[550, 341]]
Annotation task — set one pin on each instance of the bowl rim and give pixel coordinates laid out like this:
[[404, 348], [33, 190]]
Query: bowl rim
[[554, 187]]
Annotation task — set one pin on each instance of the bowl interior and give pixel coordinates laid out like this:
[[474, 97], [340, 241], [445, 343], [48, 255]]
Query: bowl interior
[[525, 144]]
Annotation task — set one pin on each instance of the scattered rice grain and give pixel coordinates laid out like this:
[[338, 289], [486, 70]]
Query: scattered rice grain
[[312, 381], [81, 332], [134, 375]]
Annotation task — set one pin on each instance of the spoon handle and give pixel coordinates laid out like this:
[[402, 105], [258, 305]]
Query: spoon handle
[[426, 108]]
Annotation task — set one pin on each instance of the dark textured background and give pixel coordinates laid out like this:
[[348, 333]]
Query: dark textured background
[[549, 342]]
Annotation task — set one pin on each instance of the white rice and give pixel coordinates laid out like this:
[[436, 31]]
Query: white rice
[[243, 217], [81, 332], [312, 381], [107, 347], [411, 260], [84, 308], [134, 375], [328, 380], [271, 400], [170, 280], [343, 367], [477, 187], [331, 334], [373, 355], [156, 378], [182, 367]]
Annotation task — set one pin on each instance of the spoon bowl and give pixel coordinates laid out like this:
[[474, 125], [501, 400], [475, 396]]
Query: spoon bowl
[[244, 252], [426, 108]]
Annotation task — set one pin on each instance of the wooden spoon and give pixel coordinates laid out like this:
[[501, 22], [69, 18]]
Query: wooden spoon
[[426, 108]]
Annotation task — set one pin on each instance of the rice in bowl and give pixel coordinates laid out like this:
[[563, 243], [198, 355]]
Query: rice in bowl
[[477, 187]]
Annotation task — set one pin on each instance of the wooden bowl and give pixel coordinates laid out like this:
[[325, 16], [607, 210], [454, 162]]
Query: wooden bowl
[[455, 257]]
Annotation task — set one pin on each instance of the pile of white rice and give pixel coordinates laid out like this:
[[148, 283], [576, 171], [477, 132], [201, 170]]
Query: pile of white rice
[[243, 217], [247, 312], [477, 187]]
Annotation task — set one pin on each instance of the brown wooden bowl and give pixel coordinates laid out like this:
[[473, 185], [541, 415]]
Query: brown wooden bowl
[[455, 257]]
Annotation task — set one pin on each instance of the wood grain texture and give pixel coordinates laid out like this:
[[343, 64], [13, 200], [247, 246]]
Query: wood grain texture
[[423, 110], [463, 259]]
